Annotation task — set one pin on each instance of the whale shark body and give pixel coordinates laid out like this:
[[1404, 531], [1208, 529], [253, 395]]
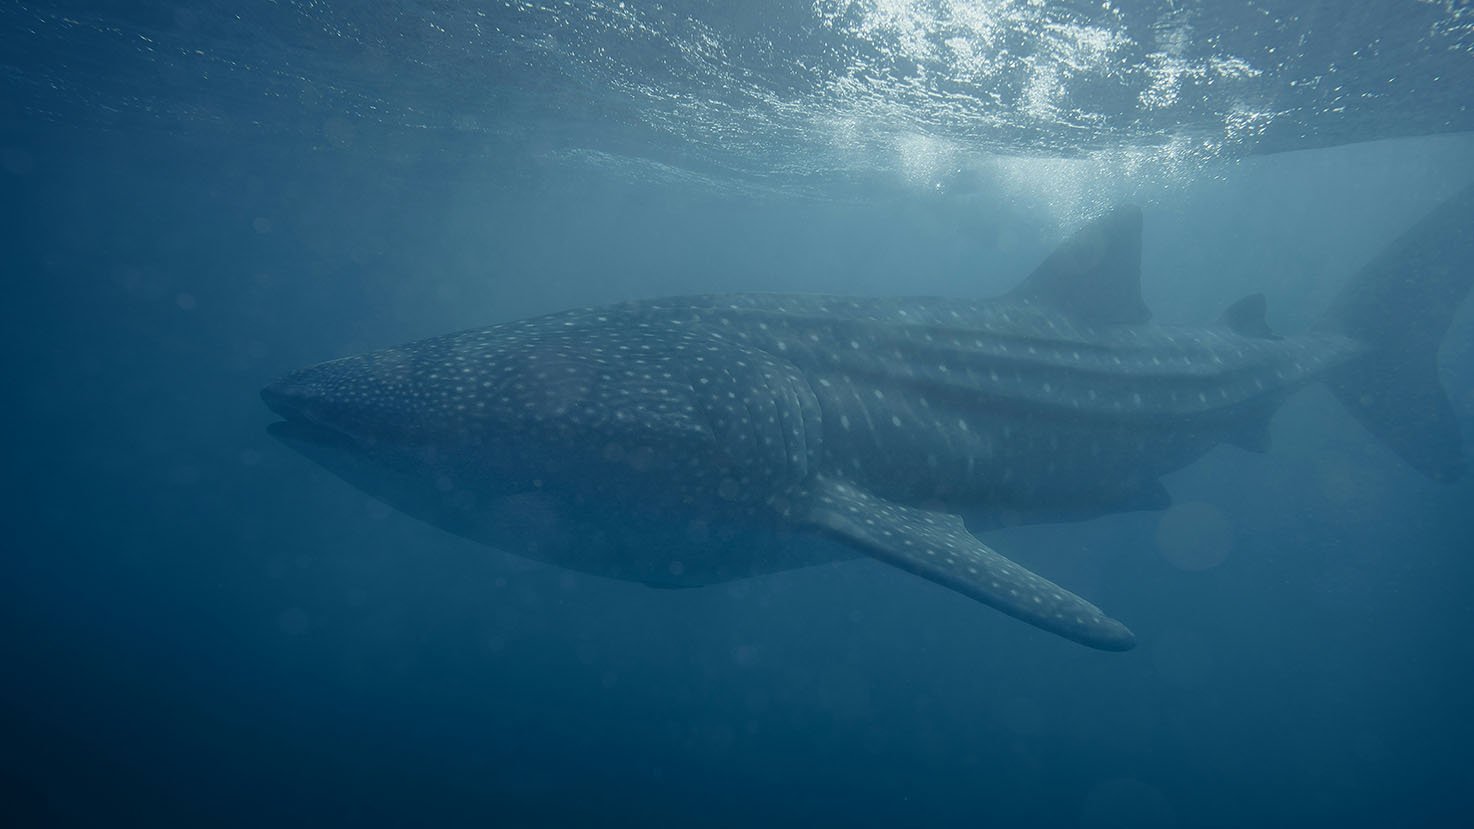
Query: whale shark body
[[690, 441]]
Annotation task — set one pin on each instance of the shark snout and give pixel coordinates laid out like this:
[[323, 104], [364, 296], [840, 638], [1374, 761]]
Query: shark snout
[[306, 414], [325, 394], [285, 399], [363, 400]]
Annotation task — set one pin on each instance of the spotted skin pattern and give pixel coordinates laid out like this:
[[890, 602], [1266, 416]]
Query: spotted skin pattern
[[688, 441]]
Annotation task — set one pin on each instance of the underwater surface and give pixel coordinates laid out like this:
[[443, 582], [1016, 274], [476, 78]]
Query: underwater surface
[[202, 627]]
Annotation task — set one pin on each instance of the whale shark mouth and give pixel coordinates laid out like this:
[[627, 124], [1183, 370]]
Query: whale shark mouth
[[305, 431], [298, 426]]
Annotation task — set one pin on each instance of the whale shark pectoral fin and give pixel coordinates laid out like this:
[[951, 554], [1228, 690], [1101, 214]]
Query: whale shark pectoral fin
[[937, 547]]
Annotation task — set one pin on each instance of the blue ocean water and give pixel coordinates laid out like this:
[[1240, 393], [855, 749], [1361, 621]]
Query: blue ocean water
[[202, 628]]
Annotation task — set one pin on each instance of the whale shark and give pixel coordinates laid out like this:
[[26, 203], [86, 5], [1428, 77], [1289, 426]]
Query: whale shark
[[690, 441]]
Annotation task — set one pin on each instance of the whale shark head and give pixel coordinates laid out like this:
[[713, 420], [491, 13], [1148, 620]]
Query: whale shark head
[[566, 440], [376, 402], [469, 432], [424, 427], [580, 410]]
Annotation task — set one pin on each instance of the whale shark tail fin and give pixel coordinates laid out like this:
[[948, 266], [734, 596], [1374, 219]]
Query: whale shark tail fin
[[1398, 307]]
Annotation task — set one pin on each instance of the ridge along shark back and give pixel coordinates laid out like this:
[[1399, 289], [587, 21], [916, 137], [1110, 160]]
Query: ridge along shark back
[[690, 441]]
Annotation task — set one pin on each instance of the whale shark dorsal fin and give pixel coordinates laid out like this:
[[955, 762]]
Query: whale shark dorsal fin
[[937, 547], [1095, 275], [1246, 317]]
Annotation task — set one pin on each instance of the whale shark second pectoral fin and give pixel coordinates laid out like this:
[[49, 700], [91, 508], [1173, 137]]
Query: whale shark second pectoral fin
[[938, 547]]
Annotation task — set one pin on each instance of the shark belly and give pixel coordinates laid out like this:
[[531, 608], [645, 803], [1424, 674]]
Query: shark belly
[[617, 516], [642, 540]]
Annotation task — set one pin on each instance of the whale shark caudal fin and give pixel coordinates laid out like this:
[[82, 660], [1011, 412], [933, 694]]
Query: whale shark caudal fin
[[1399, 306], [1095, 275], [937, 547]]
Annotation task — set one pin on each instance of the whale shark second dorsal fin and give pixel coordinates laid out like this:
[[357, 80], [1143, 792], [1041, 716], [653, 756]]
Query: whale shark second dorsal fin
[[1246, 317], [1095, 275]]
